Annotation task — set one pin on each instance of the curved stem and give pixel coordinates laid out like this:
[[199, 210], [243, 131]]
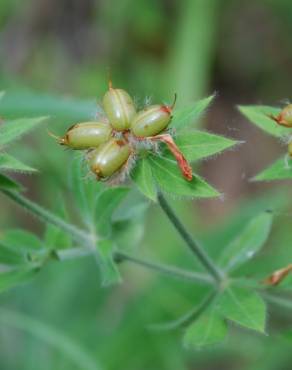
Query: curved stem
[[47, 216], [119, 257], [191, 243], [189, 317], [164, 269], [85, 239]]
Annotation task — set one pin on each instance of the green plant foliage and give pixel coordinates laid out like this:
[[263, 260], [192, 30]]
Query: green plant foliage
[[162, 172], [170, 180], [109, 270], [7, 183], [259, 115], [244, 307], [196, 144], [106, 203], [143, 178], [247, 243], [209, 329], [279, 170], [14, 129], [85, 190], [186, 116], [9, 163], [30, 103], [9, 279], [107, 224], [48, 334], [21, 239]]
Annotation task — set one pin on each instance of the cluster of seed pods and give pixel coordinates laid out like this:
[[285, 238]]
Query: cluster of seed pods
[[112, 141], [284, 118]]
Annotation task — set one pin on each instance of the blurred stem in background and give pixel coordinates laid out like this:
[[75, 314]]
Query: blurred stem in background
[[191, 50]]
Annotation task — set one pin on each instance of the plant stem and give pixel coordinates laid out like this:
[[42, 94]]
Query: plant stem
[[194, 246], [189, 317], [85, 239], [164, 269], [119, 257], [47, 216]]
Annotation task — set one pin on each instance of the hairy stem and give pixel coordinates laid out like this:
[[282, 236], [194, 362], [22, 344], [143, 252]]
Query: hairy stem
[[88, 249], [189, 317], [119, 257], [47, 216], [191, 243], [164, 269]]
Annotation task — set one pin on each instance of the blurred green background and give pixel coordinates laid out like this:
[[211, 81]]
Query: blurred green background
[[54, 51]]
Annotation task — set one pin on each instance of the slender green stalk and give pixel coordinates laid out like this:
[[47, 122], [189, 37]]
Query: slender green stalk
[[47, 216], [119, 257], [164, 269], [87, 241], [194, 246], [189, 317]]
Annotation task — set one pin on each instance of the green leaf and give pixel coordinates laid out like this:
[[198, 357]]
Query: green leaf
[[143, 178], [171, 181], [245, 307], [199, 144], [248, 242], [12, 130], [2, 93], [85, 191], [20, 239], [9, 163], [279, 170], [6, 183], [208, 329], [259, 115], [186, 116], [109, 271], [15, 277], [11, 257], [106, 204]]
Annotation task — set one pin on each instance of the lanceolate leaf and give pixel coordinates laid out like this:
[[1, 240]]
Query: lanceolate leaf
[[188, 115], [9, 163], [9, 256], [15, 277], [208, 329], [260, 116], [279, 170], [170, 180], [19, 239], [12, 130], [247, 243], [245, 307], [199, 144], [6, 183], [143, 178]]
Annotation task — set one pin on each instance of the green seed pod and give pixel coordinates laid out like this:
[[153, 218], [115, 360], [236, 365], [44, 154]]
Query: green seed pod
[[119, 108], [152, 120], [109, 157], [86, 135], [285, 117]]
